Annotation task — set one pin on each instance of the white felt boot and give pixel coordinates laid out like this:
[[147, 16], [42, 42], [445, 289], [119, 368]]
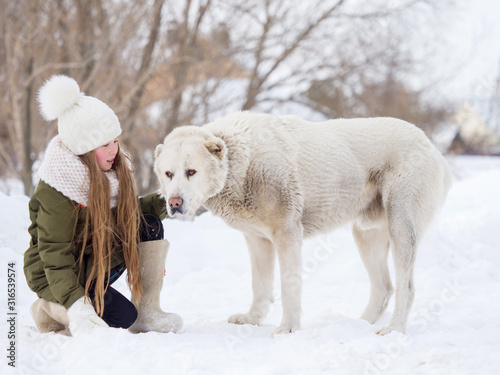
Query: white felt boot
[[49, 316], [150, 317]]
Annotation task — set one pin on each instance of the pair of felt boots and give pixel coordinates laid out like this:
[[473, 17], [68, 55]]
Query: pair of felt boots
[[53, 317]]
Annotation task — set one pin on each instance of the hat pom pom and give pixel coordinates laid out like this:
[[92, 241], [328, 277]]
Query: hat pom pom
[[58, 94]]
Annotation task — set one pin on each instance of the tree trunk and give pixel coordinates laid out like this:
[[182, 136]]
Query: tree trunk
[[28, 162]]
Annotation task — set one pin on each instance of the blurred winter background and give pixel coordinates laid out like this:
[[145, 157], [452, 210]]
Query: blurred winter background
[[164, 63]]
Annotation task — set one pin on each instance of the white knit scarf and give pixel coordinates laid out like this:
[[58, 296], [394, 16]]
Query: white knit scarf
[[66, 173]]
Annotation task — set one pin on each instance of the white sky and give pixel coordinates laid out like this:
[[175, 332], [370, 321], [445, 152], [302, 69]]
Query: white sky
[[474, 49]]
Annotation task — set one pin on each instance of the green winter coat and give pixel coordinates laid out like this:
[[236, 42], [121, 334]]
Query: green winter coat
[[50, 261]]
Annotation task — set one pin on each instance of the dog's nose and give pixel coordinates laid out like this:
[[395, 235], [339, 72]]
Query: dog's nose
[[175, 202]]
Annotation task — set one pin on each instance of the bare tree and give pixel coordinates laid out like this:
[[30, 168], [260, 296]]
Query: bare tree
[[82, 39], [164, 63], [19, 29]]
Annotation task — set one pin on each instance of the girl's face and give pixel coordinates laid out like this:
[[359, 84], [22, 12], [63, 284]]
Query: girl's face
[[105, 155]]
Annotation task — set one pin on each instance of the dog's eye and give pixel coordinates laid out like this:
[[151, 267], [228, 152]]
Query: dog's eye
[[190, 172], [168, 174]]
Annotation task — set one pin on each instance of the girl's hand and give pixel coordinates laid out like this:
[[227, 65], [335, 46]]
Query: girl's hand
[[83, 318]]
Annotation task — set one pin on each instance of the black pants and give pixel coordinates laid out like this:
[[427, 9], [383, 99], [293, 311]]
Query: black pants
[[119, 312]]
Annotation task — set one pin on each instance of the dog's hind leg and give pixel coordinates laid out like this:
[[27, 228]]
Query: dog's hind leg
[[373, 246], [404, 240], [262, 260]]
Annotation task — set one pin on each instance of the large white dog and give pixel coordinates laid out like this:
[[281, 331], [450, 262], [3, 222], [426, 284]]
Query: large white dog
[[280, 179]]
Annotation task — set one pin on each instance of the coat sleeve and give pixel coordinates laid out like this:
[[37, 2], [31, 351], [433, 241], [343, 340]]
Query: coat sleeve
[[33, 264], [55, 226], [154, 204]]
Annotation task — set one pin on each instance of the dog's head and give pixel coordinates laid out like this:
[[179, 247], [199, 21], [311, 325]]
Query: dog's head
[[191, 166]]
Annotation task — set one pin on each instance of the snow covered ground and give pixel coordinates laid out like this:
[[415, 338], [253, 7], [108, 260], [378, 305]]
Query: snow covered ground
[[454, 326]]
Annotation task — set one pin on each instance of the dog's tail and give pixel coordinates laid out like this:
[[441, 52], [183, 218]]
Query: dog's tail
[[447, 178]]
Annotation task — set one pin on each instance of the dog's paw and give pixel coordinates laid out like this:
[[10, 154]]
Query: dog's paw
[[243, 319], [384, 331], [370, 316], [391, 328], [283, 330]]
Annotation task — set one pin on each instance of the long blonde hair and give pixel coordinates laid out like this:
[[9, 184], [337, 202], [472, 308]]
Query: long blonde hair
[[106, 232]]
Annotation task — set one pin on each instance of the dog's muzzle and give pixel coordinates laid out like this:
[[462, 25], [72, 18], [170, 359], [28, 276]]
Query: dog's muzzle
[[175, 204]]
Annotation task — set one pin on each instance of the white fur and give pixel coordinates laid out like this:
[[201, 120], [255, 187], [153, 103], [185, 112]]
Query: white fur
[[279, 179]]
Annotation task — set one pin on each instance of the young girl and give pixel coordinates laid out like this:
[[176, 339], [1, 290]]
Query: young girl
[[88, 226]]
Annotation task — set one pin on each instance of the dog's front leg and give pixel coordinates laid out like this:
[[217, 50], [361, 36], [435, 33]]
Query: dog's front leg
[[262, 260], [288, 244]]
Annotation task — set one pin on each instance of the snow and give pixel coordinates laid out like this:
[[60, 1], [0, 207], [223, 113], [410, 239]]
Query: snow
[[454, 326]]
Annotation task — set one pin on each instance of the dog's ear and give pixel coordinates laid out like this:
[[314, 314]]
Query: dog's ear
[[216, 147], [158, 149]]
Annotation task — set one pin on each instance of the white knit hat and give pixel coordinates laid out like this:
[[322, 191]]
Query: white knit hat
[[84, 122]]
